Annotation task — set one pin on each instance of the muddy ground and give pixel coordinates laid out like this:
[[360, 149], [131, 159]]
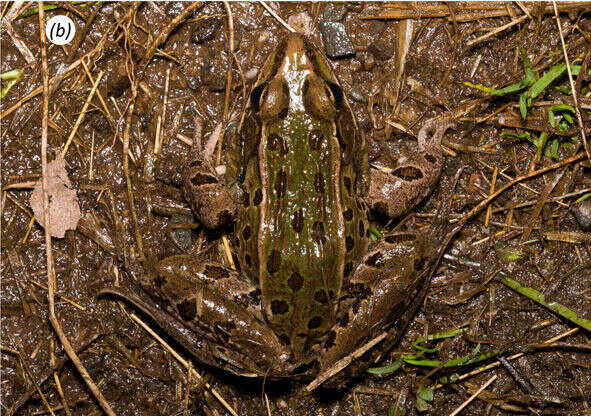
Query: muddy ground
[[528, 232]]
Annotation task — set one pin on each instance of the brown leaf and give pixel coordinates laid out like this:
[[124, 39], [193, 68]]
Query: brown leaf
[[64, 211]]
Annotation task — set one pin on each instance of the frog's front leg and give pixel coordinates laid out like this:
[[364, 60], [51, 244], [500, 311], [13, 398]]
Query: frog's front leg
[[214, 312], [380, 299], [393, 192], [203, 187]]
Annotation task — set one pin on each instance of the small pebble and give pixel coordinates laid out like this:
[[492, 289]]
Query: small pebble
[[336, 40], [357, 95], [251, 74], [582, 213], [334, 13], [380, 50], [184, 236]]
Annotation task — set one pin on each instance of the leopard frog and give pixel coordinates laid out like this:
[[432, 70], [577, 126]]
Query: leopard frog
[[311, 287]]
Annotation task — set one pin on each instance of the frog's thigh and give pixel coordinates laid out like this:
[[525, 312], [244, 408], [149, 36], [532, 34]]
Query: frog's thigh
[[210, 298], [393, 193], [383, 286]]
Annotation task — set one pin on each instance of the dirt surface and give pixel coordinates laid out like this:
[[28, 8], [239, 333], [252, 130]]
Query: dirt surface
[[531, 234]]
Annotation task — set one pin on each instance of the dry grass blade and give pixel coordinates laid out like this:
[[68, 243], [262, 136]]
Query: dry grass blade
[[276, 16], [163, 35], [572, 84], [467, 402], [497, 30], [48, 252]]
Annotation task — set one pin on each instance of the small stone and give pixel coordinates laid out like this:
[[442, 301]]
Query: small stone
[[184, 236], [204, 30], [336, 40], [357, 95], [214, 78], [100, 123], [380, 50], [251, 74], [334, 13], [301, 23], [582, 213]]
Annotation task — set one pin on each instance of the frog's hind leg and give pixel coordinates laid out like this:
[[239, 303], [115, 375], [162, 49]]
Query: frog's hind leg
[[393, 192], [203, 187], [381, 297], [219, 308]]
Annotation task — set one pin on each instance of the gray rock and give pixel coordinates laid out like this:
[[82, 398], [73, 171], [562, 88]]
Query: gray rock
[[582, 213], [336, 40], [334, 12], [184, 236], [357, 95]]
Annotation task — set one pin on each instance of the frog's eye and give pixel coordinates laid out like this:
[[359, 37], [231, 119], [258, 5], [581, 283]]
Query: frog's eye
[[321, 99], [271, 101]]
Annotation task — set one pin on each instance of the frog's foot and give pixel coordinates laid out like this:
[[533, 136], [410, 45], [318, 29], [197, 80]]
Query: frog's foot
[[217, 312], [395, 191], [204, 187], [382, 296]]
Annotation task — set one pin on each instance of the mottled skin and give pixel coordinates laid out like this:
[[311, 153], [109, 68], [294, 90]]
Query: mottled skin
[[298, 188]]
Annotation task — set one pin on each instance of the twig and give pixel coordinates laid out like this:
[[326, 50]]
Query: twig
[[184, 362], [572, 83], [82, 114], [56, 378], [163, 35], [497, 30], [138, 235], [48, 252], [280, 20], [16, 39], [509, 184], [476, 393]]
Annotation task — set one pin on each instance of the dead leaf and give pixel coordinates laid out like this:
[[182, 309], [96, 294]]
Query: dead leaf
[[64, 211]]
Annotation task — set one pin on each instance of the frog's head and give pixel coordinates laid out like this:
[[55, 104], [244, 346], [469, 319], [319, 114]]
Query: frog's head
[[296, 78]]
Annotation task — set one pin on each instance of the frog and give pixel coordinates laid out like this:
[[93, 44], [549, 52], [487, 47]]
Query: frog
[[313, 295]]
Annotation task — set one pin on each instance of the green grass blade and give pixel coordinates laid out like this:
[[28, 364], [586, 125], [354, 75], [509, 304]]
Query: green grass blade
[[540, 298]]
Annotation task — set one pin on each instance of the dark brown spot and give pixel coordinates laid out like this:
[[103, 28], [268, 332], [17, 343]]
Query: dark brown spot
[[195, 163], [315, 322], [319, 183], [225, 217], [408, 173], [187, 309], [248, 260], [279, 307], [215, 272], [284, 339], [246, 200], [419, 263], [348, 269], [297, 223], [302, 335], [344, 320], [274, 261], [221, 332], [381, 207], [258, 197], [361, 228], [347, 183], [281, 183], [348, 215], [201, 179], [246, 232], [430, 158], [395, 239], [253, 297], [349, 243], [315, 139], [332, 335], [274, 141], [373, 259], [320, 296], [295, 282], [318, 232]]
